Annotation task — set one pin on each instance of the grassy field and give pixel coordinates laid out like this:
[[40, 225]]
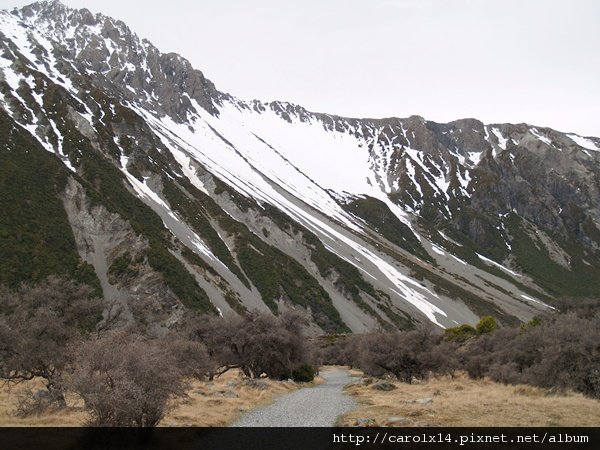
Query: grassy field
[[460, 401]]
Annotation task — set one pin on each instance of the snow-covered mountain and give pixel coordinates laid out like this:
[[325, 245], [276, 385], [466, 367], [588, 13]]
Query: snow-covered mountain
[[126, 168]]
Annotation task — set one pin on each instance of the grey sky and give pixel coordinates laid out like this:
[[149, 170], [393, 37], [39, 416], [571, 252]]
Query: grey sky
[[534, 61]]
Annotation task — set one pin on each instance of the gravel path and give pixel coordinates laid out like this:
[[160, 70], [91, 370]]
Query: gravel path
[[317, 406]]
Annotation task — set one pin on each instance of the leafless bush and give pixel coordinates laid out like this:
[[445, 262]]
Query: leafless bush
[[562, 352], [258, 343], [35, 402], [126, 380], [569, 354], [191, 357], [479, 354], [586, 308], [37, 325], [340, 352], [405, 354]]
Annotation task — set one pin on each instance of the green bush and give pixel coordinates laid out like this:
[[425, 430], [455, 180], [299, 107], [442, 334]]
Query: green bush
[[461, 333], [486, 324], [535, 322], [305, 373]]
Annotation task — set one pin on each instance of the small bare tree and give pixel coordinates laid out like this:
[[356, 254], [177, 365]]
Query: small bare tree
[[257, 343], [37, 325], [405, 354], [126, 380]]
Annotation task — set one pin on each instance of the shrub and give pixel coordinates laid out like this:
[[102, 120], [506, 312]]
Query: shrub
[[486, 324], [191, 357], [535, 322], [126, 380], [304, 374], [461, 333], [258, 343], [405, 355], [342, 351], [560, 352], [38, 325]]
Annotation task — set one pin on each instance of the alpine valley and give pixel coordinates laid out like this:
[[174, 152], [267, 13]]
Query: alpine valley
[[126, 169]]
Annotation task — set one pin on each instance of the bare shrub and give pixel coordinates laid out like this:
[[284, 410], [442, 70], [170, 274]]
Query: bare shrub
[[191, 357], [558, 352], [37, 326], [342, 351], [126, 380], [258, 343], [405, 354], [478, 355], [35, 402], [569, 355]]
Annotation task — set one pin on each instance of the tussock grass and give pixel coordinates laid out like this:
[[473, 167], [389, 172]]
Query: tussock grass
[[460, 401]]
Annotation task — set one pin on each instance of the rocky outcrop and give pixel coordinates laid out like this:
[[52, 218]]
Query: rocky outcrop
[[118, 255]]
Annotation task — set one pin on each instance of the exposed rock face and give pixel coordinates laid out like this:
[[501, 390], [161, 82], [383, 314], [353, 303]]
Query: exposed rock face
[[187, 196], [103, 239]]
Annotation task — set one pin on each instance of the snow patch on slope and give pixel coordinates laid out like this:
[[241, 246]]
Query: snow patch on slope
[[229, 148], [583, 142], [501, 139], [500, 266], [540, 137]]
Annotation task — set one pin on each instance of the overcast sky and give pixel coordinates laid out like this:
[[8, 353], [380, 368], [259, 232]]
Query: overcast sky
[[534, 61]]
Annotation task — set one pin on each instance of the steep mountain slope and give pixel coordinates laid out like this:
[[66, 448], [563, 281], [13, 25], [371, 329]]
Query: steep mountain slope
[[175, 192]]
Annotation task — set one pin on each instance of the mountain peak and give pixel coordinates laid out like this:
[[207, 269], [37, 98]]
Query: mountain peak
[[45, 8], [56, 16]]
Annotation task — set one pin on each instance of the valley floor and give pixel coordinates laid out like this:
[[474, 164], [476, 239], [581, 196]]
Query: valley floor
[[447, 401]]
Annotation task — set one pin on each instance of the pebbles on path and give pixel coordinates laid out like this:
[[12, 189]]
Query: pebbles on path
[[317, 406]]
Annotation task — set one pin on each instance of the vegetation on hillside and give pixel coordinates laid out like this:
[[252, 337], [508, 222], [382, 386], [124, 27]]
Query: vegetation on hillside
[[346, 277], [107, 187], [276, 275], [531, 255], [35, 236], [378, 215]]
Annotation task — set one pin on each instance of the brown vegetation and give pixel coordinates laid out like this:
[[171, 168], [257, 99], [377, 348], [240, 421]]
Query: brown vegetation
[[127, 373], [222, 401], [559, 351], [461, 401], [37, 326], [126, 380], [64, 364], [204, 403], [258, 344]]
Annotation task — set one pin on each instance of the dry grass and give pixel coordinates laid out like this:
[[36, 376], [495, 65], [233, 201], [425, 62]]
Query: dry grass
[[206, 405], [461, 401], [216, 403], [73, 416]]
